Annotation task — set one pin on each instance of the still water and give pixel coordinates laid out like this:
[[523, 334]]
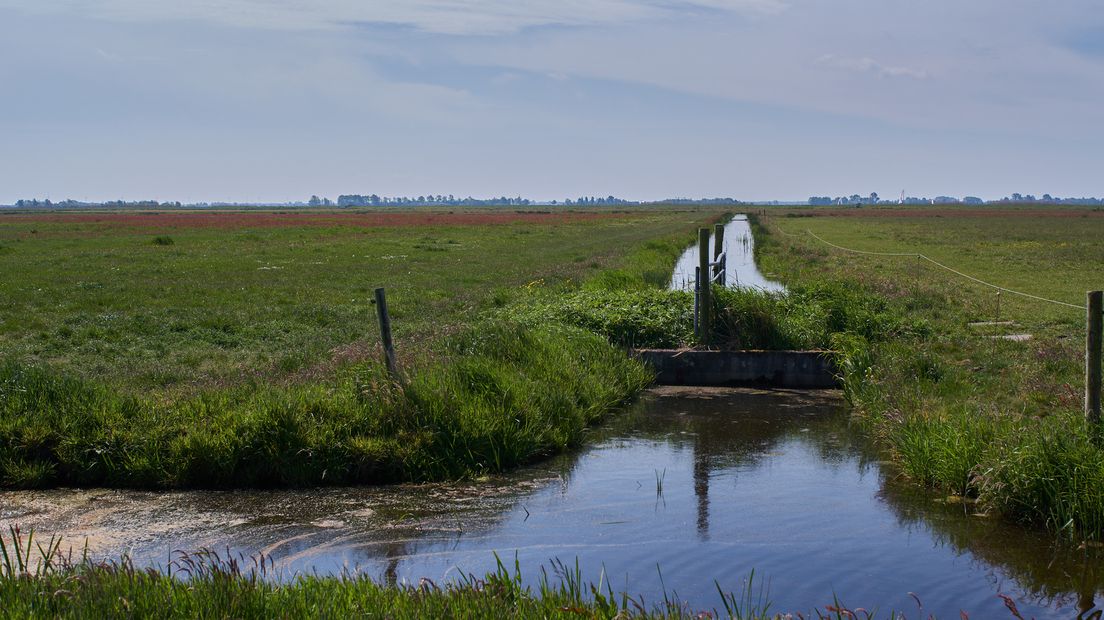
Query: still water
[[702, 483], [742, 270]]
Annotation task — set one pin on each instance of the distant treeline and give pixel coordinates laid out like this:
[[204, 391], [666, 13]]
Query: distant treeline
[[705, 201], [874, 199], [70, 204], [373, 200]]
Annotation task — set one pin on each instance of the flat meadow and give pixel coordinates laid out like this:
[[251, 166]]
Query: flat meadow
[[173, 302], [988, 403], [176, 349], [220, 350], [1054, 253], [185, 348]]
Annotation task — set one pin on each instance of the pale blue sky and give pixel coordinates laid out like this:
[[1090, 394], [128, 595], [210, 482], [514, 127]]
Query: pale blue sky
[[758, 99]]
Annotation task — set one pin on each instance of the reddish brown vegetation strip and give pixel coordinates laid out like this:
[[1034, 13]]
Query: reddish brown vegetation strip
[[228, 219]]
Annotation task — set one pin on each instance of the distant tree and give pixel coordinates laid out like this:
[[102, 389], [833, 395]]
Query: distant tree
[[873, 198], [315, 201]]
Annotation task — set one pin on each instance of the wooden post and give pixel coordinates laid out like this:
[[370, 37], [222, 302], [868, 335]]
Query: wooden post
[[697, 300], [718, 247], [1095, 324], [385, 332], [706, 305]]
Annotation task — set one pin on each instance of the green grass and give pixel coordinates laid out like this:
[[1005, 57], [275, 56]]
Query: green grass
[[39, 580], [494, 396], [478, 395], [957, 408], [808, 317], [218, 307], [508, 375]]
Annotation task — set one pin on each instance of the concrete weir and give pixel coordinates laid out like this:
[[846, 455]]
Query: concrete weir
[[783, 369]]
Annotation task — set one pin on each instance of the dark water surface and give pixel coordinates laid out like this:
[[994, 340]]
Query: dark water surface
[[705, 483]]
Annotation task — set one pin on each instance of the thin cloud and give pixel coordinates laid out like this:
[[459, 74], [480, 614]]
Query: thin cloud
[[871, 66], [455, 17]]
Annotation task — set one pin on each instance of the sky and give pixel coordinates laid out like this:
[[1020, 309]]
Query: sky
[[275, 100]]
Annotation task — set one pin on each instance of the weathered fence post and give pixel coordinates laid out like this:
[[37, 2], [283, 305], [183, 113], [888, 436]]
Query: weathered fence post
[[385, 332], [705, 305], [1095, 324], [718, 247], [697, 301]]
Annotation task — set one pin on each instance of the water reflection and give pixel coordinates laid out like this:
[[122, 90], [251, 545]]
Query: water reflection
[[739, 246], [1062, 575], [705, 483]]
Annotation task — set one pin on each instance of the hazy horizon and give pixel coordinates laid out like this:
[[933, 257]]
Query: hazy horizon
[[250, 101]]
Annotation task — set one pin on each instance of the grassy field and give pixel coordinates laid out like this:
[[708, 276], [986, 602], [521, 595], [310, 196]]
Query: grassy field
[[958, 406], [174, 302], [1055, 254], [238, 349], [184, 349]]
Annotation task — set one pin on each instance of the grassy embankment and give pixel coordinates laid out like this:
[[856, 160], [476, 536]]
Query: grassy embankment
[[996, 421], [242, 354]]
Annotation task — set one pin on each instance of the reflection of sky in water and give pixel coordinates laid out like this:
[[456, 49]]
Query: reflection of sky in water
[[740, 248], [770, 481]]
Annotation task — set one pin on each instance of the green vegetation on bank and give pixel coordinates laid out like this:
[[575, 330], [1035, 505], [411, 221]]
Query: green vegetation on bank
[[482, 395], [959, 406], [483, 391], [497, 395], [808, 317]]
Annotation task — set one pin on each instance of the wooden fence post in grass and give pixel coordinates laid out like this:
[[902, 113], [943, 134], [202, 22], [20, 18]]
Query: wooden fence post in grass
[[385, 332], [697, 301], [718, 247], [704, 303], [1095, 324]]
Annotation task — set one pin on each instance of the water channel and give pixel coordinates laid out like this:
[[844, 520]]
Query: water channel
[[739, 247], [688, 486]]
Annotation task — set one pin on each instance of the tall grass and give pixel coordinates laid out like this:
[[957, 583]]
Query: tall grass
[[808, 317], [494, 396], [40, 581], [958, 410]]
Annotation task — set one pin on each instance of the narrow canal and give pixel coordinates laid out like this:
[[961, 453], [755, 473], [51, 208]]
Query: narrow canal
[[739, 246]]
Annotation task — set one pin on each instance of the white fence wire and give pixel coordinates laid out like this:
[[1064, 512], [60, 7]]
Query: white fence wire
[[937, 264]]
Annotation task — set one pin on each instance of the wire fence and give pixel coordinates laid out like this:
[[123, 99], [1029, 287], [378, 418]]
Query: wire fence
[[937, 264]]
